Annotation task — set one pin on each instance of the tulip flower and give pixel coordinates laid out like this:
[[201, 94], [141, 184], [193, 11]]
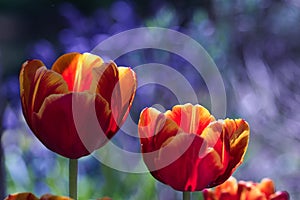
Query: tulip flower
[[187, 149], [245, 190], [75, 107], [30, 196]]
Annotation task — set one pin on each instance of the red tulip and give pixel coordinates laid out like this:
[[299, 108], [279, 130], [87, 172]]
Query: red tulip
[[78, 105], [231, 190], [188, 150], [30, 196]]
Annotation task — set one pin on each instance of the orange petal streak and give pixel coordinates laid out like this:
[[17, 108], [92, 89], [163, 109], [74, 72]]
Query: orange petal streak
[[192, 119], [27, 84], [238, 132], [76, 69]]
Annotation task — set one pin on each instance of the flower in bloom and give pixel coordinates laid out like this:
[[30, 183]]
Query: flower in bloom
[[188, 149], [231, 190], [30, 196], [79, 104]]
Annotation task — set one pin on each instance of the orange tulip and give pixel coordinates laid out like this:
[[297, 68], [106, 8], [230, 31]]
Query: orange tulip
[[64, 106], [30, 196], [231, 190], [188, 149]]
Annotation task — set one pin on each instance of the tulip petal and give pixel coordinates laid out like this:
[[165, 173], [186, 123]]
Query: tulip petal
[[76, 69], [192, 119], [47, 83], [239, 138], [104, 83], [54, 197], [21, 196], [154, 129], [215, 138], [37, 83], [229, 186], [117, 85], [68, 125], [280, 196], [267, 186], [255, 193], [247, 190], [127, 85], [238, 131], [26, 79], [188, 172], [208, 194], [105, 79]]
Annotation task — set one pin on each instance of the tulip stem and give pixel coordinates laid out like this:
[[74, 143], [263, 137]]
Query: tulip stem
[[73, 170], [186, 195]]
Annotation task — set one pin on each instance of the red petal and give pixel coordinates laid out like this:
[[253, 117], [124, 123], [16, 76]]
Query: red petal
[[238, 131], [117, 85], [62, 117], [46, 83], [37, 83], [189, 172], [154, 129], [76, 69], [215, 138], [192, 119], [280, 196], [26, 78], [105, 79]]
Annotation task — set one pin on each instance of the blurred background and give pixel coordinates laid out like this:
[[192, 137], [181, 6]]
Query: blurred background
[[254, 43]]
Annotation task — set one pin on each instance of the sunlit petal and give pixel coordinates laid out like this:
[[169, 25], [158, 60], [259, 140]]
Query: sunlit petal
[[123, 98], [215, 138], [76, 69], [192, 119], [238, 130], [155, 129]]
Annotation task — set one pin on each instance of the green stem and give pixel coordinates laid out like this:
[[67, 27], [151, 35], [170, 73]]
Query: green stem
[[186, 195], [73, 168]]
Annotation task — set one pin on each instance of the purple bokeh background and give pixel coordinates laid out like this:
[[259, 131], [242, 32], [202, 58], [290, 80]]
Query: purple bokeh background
[[255, 45]]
